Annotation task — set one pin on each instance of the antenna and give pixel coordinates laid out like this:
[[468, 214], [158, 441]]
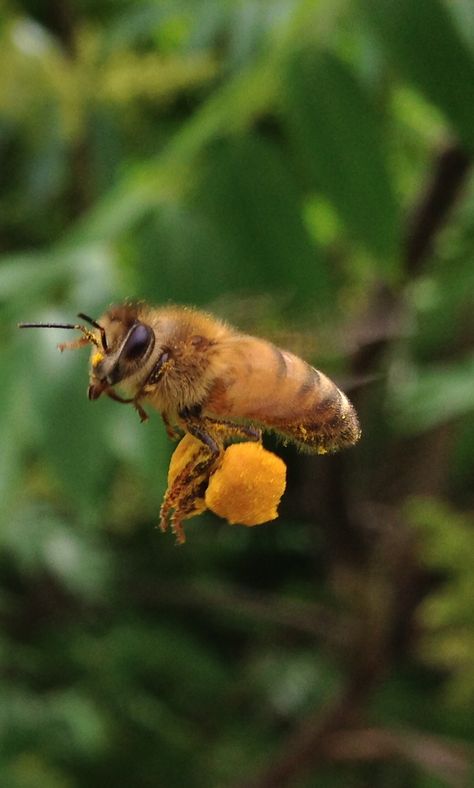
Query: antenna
[[94, 323], [88, 335]]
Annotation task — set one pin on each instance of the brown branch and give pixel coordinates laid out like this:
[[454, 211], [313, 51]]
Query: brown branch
[[293, 614], [324, 739], [63, 18], [60, 17], [307, 745], [429, 216], [444, 759], [451, 170]]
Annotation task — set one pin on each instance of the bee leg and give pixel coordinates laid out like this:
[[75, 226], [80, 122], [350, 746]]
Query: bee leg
[[231, 430], [225, 429], [75, 344], [252, 433], [177, 527], [175, 497], [189, 486], [141, 412], [187, 493], [199, 431], [170, 431], [116, 398], [187, 508]]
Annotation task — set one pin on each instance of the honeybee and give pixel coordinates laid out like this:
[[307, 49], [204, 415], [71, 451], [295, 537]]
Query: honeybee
[[209, 380]]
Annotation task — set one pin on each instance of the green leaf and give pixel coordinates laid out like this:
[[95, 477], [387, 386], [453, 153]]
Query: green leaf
[[251, 200], [426, 48], [86, 272], [39, 541], [337, 139], [73, 431], [242, 225], [14, 424], [433, 396]]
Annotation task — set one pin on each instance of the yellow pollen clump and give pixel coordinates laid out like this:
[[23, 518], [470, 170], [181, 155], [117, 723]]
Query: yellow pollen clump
[[244, 485], [97, 358], [248, 485]]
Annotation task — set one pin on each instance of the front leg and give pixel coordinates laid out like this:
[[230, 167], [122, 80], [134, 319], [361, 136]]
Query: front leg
[[171, 432], [133, 401], [162, 366]]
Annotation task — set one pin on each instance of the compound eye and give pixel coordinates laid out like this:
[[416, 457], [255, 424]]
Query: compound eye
[[137, 343]]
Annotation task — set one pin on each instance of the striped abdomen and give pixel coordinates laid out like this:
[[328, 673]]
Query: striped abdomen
[[263, 384]]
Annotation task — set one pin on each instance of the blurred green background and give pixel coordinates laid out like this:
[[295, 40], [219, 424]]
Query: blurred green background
[[301, 168]]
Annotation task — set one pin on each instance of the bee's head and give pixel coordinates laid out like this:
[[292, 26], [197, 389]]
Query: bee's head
[[125, 343], [121, 344]]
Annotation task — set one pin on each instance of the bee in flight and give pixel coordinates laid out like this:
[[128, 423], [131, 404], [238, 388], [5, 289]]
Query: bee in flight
[[211, 381]]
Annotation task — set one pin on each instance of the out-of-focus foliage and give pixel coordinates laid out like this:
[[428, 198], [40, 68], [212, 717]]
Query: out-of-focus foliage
[[447, 541], [301, 168]]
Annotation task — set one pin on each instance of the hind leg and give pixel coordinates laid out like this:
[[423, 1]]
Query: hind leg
[[184, 497], [186, 493]]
